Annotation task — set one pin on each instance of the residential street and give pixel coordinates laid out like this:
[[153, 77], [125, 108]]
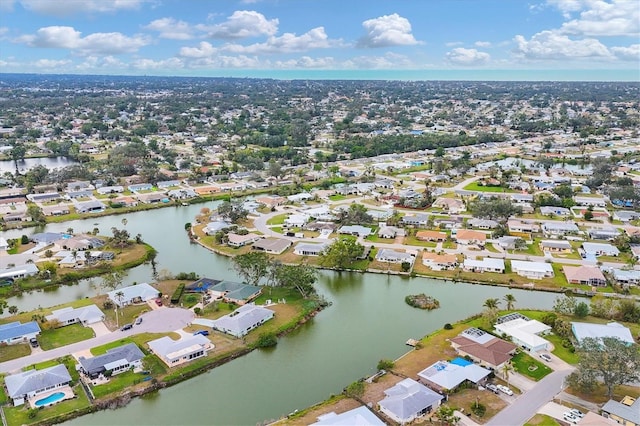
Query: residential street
[[158, 321]]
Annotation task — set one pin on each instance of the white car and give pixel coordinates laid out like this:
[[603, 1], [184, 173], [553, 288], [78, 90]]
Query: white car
[[576, 413], [570, 417], [545, 357], [504, 389]]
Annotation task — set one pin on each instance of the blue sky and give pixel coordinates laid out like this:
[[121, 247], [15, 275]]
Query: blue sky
[[245, 37]]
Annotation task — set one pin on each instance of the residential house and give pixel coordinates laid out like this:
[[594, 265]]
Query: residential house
[[83, 193], [560, 228], [483, 348], [590, 201], [296, 198], [488, 264], [105, 190], [238, 240], [626, 277], [522, 227], [521, 198], [600, 249], [29, 384], [310, 249], [167, 184], [431, 236], [626, 412], [137, 187], [114, 361], [626, 215], [523, 331], [176, 352], [272, 245], [583, 330], [418, 220], [532, 270], [409, 400], [85, 315], [451, 222], [360, 416], [231, 291], [89, 206], [470, 237], [125, 201], [360, 231], [296, 220], [213, 227], [555, 211], [4, 244], [19, 271], [43, 198], [138, 293], [57, 210], [450, 205], [606, 234], [507, 242], [15, 332], [395, 256], [271, 201], [152, 198], [484, 224], [244, 319], [390, 232], [584, 275], [446, 376], [439, 262], [182, 193], [556, 246]]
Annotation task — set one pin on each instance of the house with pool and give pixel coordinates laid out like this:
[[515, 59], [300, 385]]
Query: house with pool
[[39, 387], [115, 361]]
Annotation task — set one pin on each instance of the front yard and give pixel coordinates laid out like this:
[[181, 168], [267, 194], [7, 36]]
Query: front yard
[[14, 351], [530, 367], [58, 337]]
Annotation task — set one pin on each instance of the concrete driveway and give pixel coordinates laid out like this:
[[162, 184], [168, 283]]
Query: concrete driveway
[[100, 329], [160, 321]]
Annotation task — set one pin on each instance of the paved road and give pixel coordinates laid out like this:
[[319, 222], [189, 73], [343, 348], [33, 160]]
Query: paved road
[[528, 404], [158, 321]]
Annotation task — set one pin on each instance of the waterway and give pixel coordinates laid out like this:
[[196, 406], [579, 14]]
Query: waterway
[[28, 163], [368, 320]]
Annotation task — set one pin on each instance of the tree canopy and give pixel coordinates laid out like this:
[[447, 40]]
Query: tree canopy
[[341, 253], [494, 208]]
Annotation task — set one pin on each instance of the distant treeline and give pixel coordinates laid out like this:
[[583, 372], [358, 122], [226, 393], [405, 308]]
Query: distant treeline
[[360, 147]]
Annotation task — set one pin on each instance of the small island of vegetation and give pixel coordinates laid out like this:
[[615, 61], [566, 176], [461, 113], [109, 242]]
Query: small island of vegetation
[[422, 301]]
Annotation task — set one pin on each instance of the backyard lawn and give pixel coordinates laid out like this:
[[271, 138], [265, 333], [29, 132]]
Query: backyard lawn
[[475, 186], [58, 337], [278, 219], [117, 383], [14, 351]]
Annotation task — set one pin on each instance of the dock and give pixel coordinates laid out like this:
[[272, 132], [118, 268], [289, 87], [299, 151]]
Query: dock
[[412, 342]]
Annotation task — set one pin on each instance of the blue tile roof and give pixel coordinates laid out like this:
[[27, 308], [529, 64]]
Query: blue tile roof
[[15, 330]]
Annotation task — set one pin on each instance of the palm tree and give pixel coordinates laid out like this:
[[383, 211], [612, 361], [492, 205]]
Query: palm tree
[[491, 303], [510, 299], [506, 368], [119, 295]]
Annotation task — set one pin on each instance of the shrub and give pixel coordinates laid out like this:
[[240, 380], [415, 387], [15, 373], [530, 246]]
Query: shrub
[[175, 299], [385, 364], [422, 301], [478, 409], [267, 340], [448, 326], [355, 389], [197, 311], [24, 240]]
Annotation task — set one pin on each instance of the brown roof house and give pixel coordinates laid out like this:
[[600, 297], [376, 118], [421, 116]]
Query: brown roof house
[[589, 275], [431, 236], [439, 262], [483, 348], [470, 237]]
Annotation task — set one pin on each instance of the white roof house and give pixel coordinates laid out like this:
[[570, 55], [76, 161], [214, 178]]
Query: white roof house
[[296, 220], [533, 270], [26, 385], [408, 400], [310, 249], [600, 249], [175, 352], [582, 330], [448, 375], [488, 264], [394, 256], [244, 319], [360, 416], [85, 315], [523, 331], [20, 271], [133, 294]]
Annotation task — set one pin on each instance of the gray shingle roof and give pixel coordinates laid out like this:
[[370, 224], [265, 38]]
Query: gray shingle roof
[[34, 380], [97, 364]]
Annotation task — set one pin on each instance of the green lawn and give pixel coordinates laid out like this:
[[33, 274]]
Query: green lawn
[[413, 241], [475, 186], [117, 383], [337, 197], [278, 219], [528, 366], [126, 315], [14, 351], [20, 415], [491, 248], [542, 420], [3, 396], [58, 337], [560, 351]]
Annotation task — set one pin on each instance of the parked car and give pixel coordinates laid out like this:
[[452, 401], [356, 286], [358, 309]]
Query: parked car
[[576, 413], [570, 417], [201, 332], [126, 327], [493, 388], [34, 342], [159, 302], [505, 389], [138, 320], [545, 357]]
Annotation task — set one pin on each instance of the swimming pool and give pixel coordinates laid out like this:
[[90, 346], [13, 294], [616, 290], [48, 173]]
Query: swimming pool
[[54, 397]]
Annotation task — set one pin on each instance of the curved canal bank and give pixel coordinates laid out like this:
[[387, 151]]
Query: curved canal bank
[[368, 320]]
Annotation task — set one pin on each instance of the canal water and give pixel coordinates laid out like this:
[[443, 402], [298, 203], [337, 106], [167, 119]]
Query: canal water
[[368, 320], [28, 163]]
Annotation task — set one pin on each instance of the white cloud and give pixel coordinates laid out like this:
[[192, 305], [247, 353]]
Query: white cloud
[[287, 43], [171, 28], [97, 62], [387, 30], [97, 43], [618, 18], [51, 64], [467, 57], [69, 7], [307, 62], [222, 61], [204, 50], [388, 61], [164, 64], [629, 53], [242, 24], [552, 45], [484, 44]]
